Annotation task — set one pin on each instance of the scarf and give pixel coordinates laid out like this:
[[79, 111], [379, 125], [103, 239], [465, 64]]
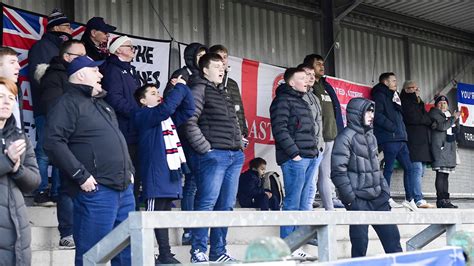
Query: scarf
[[174, 152]]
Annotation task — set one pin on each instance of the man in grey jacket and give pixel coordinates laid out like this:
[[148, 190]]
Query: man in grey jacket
[[356, 173]]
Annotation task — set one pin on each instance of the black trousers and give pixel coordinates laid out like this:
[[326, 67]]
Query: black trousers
[[388, 234], [442, 185], [162, 237], [133, 152]]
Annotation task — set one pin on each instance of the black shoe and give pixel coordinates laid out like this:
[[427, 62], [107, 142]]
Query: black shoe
[[42, 199], [166, 259], [445, 203], [316, 204]]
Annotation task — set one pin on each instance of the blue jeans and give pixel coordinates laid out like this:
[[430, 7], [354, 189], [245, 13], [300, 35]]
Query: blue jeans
[[96, 214], [298, 177], [418, 170], [313, 185], [43, 160], [217, 179], [398, 150]]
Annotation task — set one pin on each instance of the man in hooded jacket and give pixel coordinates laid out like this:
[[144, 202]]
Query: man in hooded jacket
[[356, 173]]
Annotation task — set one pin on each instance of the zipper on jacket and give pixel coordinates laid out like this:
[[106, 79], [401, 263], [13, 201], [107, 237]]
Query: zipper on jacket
[[94, 101]]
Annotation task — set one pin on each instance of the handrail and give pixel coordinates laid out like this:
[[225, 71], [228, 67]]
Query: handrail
[[137, 229]]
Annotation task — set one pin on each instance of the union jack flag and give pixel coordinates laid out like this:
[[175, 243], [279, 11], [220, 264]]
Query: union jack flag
[[21, 29]]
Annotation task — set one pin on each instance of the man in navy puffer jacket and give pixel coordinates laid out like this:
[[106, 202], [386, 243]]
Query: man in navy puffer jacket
[[390, 131]]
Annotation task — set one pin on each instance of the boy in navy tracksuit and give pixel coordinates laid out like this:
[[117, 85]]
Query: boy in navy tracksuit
[[162, 160]]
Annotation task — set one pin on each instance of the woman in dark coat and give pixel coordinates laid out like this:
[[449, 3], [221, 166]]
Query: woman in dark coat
[[418, 125], [443, 148], [18, 173]]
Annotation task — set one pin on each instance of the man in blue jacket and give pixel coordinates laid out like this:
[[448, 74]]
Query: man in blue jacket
[[121, 82], [390, 131]]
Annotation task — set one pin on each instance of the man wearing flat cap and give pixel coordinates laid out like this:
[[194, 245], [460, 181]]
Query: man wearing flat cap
[[83, 139], [95, 38]]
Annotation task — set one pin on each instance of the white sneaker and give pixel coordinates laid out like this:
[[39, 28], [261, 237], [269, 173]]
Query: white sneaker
[[411, 205], [393, 204], [299, 254]]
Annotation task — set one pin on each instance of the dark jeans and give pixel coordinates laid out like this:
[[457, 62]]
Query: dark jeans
[[64, 211], [43, 160], [399, 150], [133, 152], [388, 234], [189, 188], [162, 235], [217, 179], [96, 214], [264, 203]]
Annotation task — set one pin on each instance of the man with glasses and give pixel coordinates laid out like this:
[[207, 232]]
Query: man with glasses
[[54, 82], [95, 38], [58, 31], [120, 82]]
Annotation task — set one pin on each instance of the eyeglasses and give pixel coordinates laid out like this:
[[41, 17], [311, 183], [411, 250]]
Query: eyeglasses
[[130, 46], [75, 54]]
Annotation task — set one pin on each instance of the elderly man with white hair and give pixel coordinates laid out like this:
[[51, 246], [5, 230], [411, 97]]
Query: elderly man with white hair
[[120, 82], [83, 139]]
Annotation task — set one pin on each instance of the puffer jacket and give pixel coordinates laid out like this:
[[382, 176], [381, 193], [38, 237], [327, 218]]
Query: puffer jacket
[[14, 222], [355, 168], [234, 92], [214, 124], [388, 122], [293, 125], [442, 147]]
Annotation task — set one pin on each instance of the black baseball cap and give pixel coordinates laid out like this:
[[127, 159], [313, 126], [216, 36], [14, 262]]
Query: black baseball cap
[[98, 23]]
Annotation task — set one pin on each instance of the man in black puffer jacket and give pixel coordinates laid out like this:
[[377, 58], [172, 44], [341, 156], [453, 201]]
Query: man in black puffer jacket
[[293, 128], [214, 135], [355, 172]]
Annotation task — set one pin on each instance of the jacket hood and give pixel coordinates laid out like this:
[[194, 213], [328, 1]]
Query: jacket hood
[[190, 54], [287, 89], [356, 109], [56, 64]]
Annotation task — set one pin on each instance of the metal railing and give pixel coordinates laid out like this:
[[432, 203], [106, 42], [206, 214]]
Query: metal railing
[[137, 229]]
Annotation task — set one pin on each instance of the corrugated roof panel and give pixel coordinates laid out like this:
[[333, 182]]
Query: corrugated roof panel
[[42, 7], [265, 35], [364, 55], [434, 67], [457, 14]]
